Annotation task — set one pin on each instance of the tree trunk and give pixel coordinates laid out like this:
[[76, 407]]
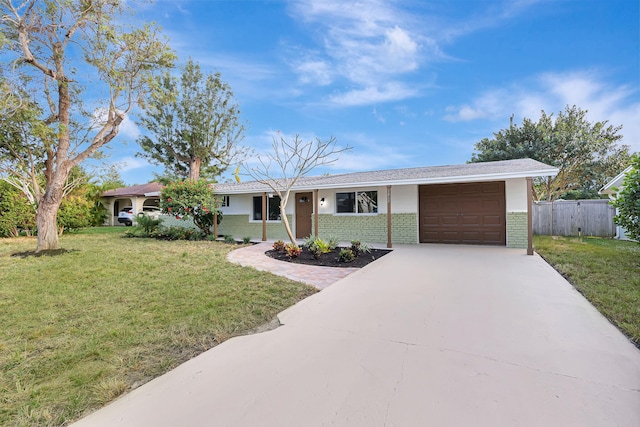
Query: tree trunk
[[46, 215], [194, 168], [47, 225], [285, 221]]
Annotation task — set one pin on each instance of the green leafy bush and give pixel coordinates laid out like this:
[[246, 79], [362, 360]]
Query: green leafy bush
[[147, 223], [229, 239], [16, 213], [319, 247], [246, 240], [176, 233], [191, 199], [346, 255], [358, 247], [628, 201]]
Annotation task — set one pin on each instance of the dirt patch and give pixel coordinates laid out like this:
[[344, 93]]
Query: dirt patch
[[329, 259], [49, 252]]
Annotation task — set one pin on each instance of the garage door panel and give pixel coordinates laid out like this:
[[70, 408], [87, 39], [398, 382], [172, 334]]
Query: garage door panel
[[471, 213], [492, 187], [470, 220], [492, 220]]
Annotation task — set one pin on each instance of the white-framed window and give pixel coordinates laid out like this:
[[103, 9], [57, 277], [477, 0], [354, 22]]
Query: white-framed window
[[357, 202], [273, 208]]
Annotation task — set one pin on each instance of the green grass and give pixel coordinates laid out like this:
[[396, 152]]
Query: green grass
[[79, 329], [605, 271]]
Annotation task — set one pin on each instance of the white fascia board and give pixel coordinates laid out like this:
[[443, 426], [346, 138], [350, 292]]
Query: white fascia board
[[615, 182], [419, 181], [152, 194]]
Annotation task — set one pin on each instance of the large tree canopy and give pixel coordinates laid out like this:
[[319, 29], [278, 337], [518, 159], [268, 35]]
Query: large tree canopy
[[587, 154], [194, 125], [66, 53]]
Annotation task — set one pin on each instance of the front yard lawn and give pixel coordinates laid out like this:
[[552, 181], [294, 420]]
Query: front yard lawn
[[79, 329], [605, 271]]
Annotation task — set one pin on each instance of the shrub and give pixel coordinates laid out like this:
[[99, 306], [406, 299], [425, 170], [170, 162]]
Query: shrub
[[308, 241], [293, 251], [246, 240], [628, 201], [75, 212], [333, 242], [278, 246], [357, 247], [191, 199], [319, 247], [176, 233], [229, 239], [346, 255], [16, 213], [147, 222]]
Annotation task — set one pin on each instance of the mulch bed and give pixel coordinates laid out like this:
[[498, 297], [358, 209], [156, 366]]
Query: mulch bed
[[329, 259]]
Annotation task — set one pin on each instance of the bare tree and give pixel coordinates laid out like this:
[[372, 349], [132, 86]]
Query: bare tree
[[65, 49], [281, 169]]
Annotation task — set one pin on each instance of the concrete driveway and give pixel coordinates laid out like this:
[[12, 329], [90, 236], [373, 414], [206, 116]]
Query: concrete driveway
[[429, 335]]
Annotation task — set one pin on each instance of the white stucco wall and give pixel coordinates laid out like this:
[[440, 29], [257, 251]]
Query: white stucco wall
[[404, 198], [516, 194]]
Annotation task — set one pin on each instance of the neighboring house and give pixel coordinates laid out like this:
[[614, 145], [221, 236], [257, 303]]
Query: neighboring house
[[477, 203], [135, 196], [611, 190]]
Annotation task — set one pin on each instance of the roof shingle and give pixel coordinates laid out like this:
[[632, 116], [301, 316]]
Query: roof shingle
[[423, 175]]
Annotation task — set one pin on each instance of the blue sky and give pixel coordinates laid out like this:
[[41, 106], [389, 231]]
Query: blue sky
[[405, 83]]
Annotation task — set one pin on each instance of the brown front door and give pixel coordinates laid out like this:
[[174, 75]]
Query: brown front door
[[470, 213], [304, 210]]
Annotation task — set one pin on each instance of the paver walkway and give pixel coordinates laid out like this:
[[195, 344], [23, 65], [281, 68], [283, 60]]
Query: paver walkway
[[320, 277]]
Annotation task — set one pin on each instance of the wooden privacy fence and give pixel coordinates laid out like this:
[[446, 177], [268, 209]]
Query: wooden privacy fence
[[574, 218]]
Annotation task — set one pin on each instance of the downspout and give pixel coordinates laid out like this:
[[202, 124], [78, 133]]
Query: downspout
[[529, 216], [316, 208], [264, 216], [389, 244]]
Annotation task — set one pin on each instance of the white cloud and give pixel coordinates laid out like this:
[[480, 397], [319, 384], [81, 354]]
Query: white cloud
[[129, 129], [379, 117], [367, 155], [130, 163], [551, 92], [370, 44], [392, 91], [314, 72]]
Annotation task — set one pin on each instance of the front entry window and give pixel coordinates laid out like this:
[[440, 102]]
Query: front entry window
[[358, 202], [273, 208]]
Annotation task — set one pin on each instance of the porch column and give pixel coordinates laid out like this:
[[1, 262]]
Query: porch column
[[389, 244], [316, 208], [529, 216], [264, 216]]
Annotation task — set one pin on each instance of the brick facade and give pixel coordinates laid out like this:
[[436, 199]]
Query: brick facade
[[239, 227], [517, 230], [370, 228]]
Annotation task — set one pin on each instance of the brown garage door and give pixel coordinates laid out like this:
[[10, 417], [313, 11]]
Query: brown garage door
[[470, 213]]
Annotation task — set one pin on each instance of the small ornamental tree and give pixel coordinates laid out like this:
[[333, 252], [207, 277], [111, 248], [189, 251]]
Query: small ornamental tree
[[628, 201], [191, 199]]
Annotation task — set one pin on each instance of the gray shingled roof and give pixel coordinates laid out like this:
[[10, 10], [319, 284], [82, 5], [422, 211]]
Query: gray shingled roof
[[424, 175]]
